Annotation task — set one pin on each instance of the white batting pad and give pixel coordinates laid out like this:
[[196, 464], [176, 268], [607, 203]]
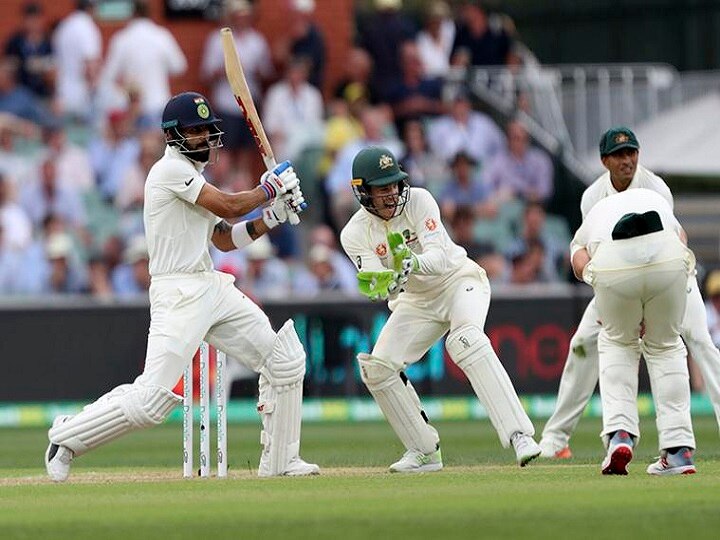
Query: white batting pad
[[280, 403], [125, 408], [399, 403], [470, 349]]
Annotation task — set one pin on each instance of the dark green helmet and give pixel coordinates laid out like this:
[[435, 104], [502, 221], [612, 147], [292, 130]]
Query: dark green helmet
[[376, 166]]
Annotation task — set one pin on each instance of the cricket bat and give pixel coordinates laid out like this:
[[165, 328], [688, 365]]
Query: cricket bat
[[236, 78]]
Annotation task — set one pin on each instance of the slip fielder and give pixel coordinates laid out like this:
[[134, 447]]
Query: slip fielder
[[404, 254], [631, 250], [191, 302], [619, 150]]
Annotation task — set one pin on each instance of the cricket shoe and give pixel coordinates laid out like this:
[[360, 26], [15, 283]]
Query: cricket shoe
[[414, 461], [296, 467], [526, 449], [681, 462], [551, 451], [620, 453], [57, 457]]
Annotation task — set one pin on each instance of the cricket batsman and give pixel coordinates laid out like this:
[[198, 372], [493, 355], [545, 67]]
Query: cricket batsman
[[631, 250], [619, 151], [191, 302], [403, 254]]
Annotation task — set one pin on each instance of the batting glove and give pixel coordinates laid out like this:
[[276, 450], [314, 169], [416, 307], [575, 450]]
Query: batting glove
[[276, 213], [281, 179], [296, 200]]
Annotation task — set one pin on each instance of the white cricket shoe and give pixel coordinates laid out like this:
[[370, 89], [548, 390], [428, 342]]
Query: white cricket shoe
[[551, 450], [296, 467], [681, 462], [619, 454], [526, 449], [58, 458], [414, 461]]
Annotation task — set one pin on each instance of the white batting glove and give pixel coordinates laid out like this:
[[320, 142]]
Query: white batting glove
[[279, 180], [276, 213], [295, 200]]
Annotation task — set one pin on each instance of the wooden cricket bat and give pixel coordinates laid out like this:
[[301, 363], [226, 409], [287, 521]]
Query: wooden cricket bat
[[238, 83]]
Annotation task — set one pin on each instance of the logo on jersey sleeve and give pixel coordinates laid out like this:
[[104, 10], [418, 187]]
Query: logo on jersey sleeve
[[381, 250], [430, 224]]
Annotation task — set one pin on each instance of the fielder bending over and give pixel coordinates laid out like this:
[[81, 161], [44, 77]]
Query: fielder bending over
[[619, 150], [631, 250], [404, 254], [191, 302]]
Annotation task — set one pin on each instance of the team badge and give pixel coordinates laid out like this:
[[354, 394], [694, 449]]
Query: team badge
[[430, 224], [385, 161], [381, 250], [621, 138], [203, 111]]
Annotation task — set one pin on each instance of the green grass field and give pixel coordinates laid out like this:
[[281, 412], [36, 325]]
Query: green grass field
[[132, 490]]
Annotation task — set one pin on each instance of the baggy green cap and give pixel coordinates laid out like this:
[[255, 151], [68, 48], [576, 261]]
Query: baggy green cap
[[616, 138], [376, 166]]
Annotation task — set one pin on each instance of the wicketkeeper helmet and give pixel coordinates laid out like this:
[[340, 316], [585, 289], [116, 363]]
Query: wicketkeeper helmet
[[377, 166]]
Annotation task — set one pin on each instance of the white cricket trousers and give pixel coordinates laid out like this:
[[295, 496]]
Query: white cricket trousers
[[580, 375], [186, 309], [638, 280]]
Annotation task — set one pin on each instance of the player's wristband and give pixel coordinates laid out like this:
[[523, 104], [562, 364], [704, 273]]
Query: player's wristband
[[240, 236]]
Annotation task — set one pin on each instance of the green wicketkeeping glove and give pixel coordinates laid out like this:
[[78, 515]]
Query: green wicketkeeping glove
[[377, 285], [404, 260]]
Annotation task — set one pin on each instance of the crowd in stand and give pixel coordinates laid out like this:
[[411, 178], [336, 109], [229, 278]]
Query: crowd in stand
[[79, 129]]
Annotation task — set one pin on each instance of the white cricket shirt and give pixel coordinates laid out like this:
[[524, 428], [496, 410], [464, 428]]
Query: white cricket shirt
[[178, 231], [364, 240], [602, 187], [598, 225]]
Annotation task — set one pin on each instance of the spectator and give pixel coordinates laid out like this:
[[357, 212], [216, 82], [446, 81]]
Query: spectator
[[130, 194], [476, 42], [142, 57], [464, 188], [293, 112], [414, 95], [495, 265], [520, 171], [322, 275], [99, 285], [378, 131], [436, 40], [72, 161], [712, 305], [63, 275], [50, 196], [266, 276], [32, 50], [14, 221], [15, 99], [354, 87], [465, 130], [257, 67], [426, 169], [462, 228], [15, 166], [132, 277], [382, 35], [11, 265], [113, 154], [343, 271], [303, 40], [77, 46], [535, 239], [527, 266]]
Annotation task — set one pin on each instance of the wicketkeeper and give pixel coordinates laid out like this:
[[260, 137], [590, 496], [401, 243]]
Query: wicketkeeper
[[403, 254]]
